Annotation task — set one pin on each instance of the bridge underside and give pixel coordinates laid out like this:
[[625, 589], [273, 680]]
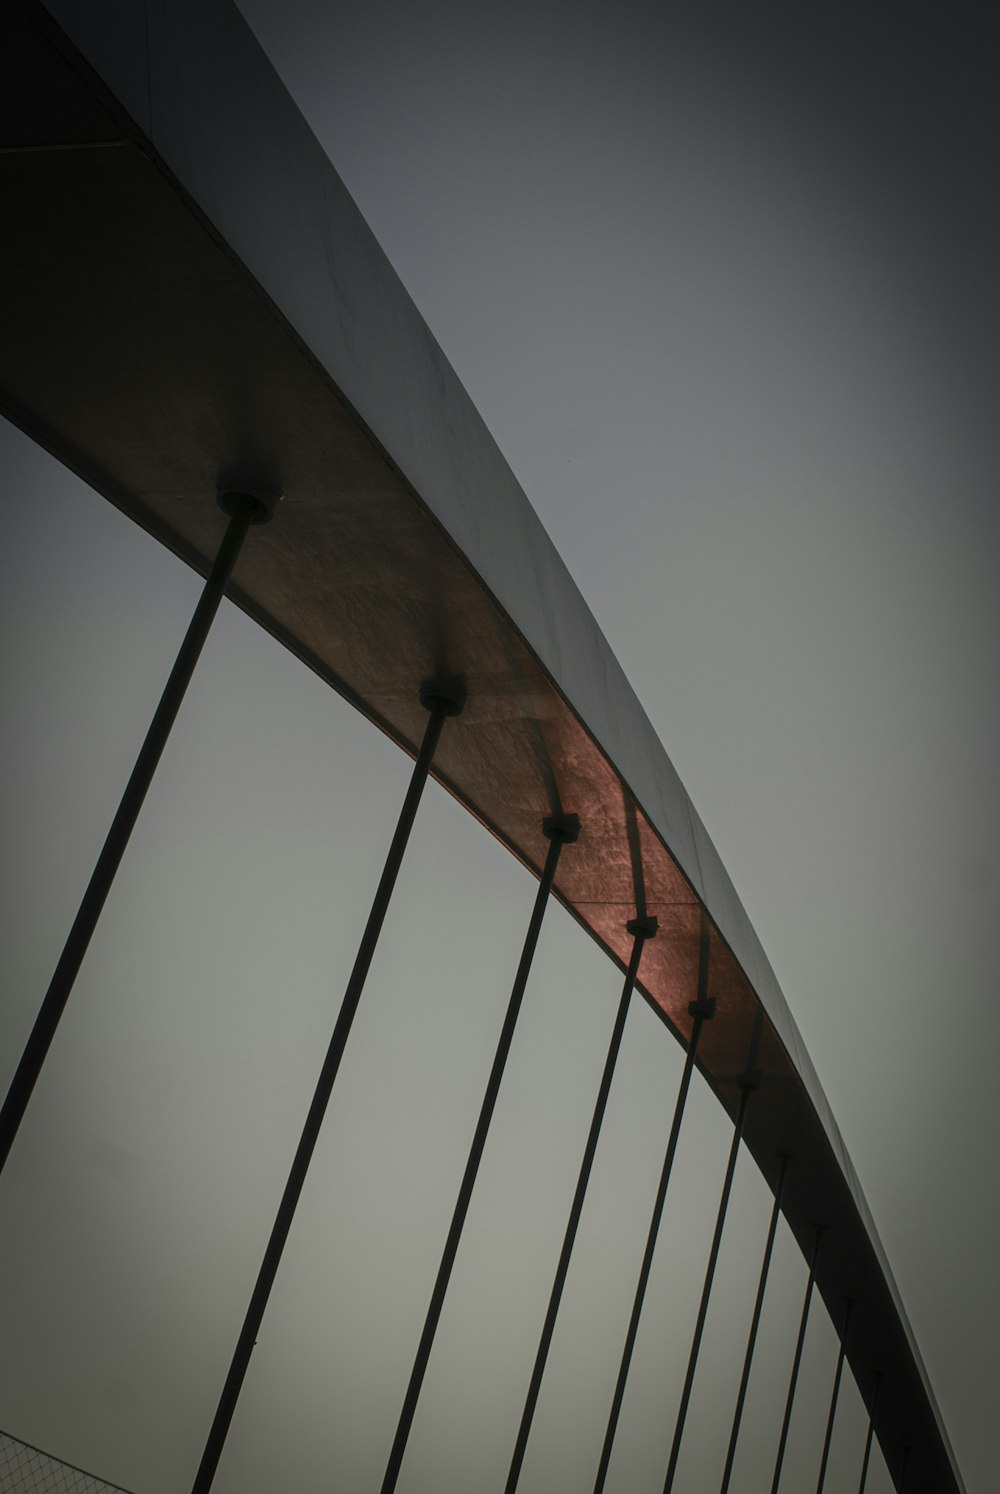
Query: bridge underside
[[143, 348]]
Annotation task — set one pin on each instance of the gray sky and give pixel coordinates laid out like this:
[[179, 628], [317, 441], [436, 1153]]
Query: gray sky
[[723, 285]]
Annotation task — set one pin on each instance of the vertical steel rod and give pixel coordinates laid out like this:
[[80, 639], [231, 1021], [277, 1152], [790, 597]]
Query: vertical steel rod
[[441, 706], [868, 1439], [828, 1438], [641, 929], [701, 1010], [244, 510], [758, 1308], [797, 1360], [560, 831], [713, 1257]]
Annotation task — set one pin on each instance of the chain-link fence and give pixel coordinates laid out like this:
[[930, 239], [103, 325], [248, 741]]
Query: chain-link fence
[[26, 1470]]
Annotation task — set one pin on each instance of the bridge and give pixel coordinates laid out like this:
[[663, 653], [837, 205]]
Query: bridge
[[202, 327]]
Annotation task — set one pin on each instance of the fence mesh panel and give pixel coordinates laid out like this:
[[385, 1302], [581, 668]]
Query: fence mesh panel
[[26, 1470]]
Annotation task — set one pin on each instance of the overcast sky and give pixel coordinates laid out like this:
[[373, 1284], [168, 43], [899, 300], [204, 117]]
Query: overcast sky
[[723, 284]]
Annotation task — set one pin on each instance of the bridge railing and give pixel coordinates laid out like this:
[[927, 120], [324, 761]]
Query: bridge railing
[[27, 1470]]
